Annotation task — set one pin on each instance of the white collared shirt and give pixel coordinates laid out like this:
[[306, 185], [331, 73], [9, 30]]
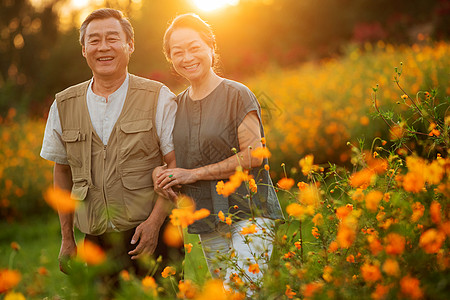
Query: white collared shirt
[[104, 114]]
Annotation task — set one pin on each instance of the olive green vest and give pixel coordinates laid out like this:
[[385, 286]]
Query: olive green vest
[[114, 182]]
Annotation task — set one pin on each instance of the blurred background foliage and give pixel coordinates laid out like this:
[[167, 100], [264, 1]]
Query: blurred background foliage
[[312, 64], [40, 55]]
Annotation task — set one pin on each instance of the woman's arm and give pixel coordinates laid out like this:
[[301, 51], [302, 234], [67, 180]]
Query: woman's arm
[[249, 136]]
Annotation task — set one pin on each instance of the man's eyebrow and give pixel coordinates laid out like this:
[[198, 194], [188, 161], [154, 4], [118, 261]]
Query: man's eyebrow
[[107, 33]]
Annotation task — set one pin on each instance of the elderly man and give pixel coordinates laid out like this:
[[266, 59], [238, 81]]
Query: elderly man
[[106, 136]]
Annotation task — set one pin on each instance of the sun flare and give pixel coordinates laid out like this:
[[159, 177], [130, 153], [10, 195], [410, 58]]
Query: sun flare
[[210, 5], [77, 4]]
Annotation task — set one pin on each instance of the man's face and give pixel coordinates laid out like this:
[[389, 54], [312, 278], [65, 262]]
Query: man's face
[[106, 49]]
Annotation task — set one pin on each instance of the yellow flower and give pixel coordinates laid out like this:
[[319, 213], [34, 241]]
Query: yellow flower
[[213, 288], [168, 271], [91, 253], [327, 274], [14, 296]]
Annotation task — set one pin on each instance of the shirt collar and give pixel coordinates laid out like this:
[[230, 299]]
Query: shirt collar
[[120, 92]]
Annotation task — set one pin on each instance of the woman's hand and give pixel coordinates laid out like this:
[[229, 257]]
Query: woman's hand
[[169, 178], [166, 193]]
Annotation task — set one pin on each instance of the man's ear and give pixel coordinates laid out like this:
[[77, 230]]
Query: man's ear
[[131, 46], [83, 51]]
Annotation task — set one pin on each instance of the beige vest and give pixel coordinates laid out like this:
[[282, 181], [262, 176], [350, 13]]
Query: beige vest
[[114, 182]]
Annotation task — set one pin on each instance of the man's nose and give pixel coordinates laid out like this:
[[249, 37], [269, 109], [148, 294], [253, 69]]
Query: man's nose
[[104, 45]]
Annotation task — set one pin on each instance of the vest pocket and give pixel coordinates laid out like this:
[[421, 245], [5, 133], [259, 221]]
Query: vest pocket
[[80, 188], [137, 141], [71, 139], [138, 180]]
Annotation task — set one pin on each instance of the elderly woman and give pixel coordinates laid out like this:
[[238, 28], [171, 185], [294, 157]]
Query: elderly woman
[[215, 115]]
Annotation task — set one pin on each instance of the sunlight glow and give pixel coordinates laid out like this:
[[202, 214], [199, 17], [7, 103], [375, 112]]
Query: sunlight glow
[[210, 5], [79, 3]]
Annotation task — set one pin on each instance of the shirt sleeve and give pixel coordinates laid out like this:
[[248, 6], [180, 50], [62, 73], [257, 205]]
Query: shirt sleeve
[[247, 103], [52, 146], [165, 119]]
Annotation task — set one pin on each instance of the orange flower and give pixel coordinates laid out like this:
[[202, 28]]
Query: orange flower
[[187, 290], [219, 187], [410, 286], [186, 215], [60, 200], [252, 185], [253, 268], [361, 178], [358, 195], [327, 270], [372, 200], [249, 230], [172, 236], [212, 288], [435, 212], [168, 271], [345, 236], [266, 167], [391, 267], [374, 245], [42, 271], [413, 182], [380, 292], [261, 152], [343, 211], [188, 247], [350, 258], [149, 283], [125, 275], [307, 164], [315, 232], [397, 132], [333, 246], [295, 210], [228, 220], [370, 273], [418, 210], [286, 183], [91, 253], [221, 216], [318, 219], [395, 244], [289, 293], [311, 288], [15, 246], [302, 185], [298, 245], [235, 181], [9, 279], [431, 240]]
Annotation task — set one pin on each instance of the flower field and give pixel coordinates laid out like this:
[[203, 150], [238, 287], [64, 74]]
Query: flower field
[[374, 223]]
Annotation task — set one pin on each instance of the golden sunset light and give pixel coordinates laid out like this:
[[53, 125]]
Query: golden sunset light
[[210, 5]]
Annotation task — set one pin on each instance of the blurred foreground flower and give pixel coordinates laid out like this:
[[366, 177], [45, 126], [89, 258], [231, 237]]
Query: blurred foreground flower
[[9, 279], [149, 284], [60, 200], [187, 290], [261, 152], [172, 236], [14, 296], [286, 183], [91, 253], [186, 214], [307, 164], [235, 181]]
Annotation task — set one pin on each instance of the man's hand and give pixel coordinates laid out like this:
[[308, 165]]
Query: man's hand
[[67, 251], [146, 235]]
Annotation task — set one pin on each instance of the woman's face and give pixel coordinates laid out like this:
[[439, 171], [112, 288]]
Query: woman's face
[[191, 56]]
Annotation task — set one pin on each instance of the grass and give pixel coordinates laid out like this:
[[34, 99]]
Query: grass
[[39, 239]]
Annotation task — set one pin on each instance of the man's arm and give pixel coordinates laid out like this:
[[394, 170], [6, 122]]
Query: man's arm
[[62, 179], [147, 232]]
